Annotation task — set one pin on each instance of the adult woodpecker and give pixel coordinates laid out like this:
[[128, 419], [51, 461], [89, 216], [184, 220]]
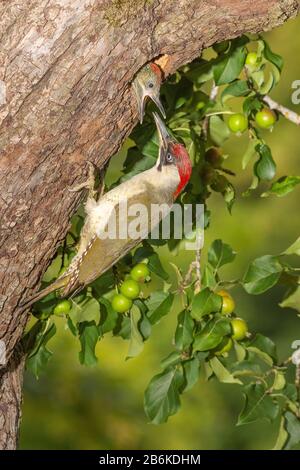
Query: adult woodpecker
[[161, 184], [147, 85]]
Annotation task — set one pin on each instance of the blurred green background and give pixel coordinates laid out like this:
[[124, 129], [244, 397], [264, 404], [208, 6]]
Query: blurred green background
[[73, 407]]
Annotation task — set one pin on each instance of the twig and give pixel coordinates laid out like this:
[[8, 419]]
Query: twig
[[213, 92], [297, 384], [198, 270], [212, 97], [188, 275], [287, 113]]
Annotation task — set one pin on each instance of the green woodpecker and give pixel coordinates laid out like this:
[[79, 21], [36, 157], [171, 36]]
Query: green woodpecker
[[161, 184], [147, 85]]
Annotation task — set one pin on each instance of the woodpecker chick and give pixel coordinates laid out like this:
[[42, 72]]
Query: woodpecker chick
[[147, 85], [161, 184]]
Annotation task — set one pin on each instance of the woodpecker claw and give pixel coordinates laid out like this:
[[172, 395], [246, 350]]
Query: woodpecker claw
[[89, 183]]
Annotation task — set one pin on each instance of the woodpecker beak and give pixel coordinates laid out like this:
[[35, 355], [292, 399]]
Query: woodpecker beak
[[142, 95], [156, 99], [164, 139]]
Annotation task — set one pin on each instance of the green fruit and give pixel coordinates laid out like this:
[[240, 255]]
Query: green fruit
[[238, 123], [221, 47], [225, 347], [265, 118], [120, 303], [239, 328], [140, 272], [251, 59], [228, 304], [63, 307], [130, 289]]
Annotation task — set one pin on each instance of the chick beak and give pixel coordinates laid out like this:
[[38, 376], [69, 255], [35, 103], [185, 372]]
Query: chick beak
[[164, 139], [156, 99], [142, 95]]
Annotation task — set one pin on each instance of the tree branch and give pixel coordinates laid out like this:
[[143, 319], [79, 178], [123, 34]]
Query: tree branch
[[287, 113]]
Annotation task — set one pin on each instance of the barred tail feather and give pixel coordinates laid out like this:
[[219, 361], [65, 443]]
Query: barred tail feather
[[58, 284]]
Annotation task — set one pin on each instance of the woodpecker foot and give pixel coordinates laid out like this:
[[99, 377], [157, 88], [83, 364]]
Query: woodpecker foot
[[88, 184]]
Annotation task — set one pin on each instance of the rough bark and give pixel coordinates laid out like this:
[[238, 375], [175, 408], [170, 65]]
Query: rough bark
[[65, 98], [11, 398]]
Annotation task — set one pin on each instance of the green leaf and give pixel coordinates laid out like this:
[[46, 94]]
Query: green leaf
[[265, 167], [282, 186], [292, 426], [251, 104], [184, 330], [229, 196], [145, 325], [148, 160], [292, 301], [123, 327], [275, 59], [258, 405], [250, 153], [279, 380], [162, 396], [103, 284], [172, 359], [142, 253], [201, 72], [156, 267], [212, 335], [222, 374], [108, 316], [282, 435], [262, 274], [88, 310], [88, 336], [231, 63], [235, 89], [253, 351], [205, 302], [294, 249], [239, 351], [258, 77], [136, 344], [265, 344], [208, 277], [245, 368], [39, 358], [53, 269], [159, 305], [218, 130], [191, 370], [220, 253]]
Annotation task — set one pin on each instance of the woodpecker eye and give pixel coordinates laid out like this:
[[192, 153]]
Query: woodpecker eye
[[150, 85], [169, 158]]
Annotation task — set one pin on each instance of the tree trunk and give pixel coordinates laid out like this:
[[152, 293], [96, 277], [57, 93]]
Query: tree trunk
[[11, 398], [65, 98]]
